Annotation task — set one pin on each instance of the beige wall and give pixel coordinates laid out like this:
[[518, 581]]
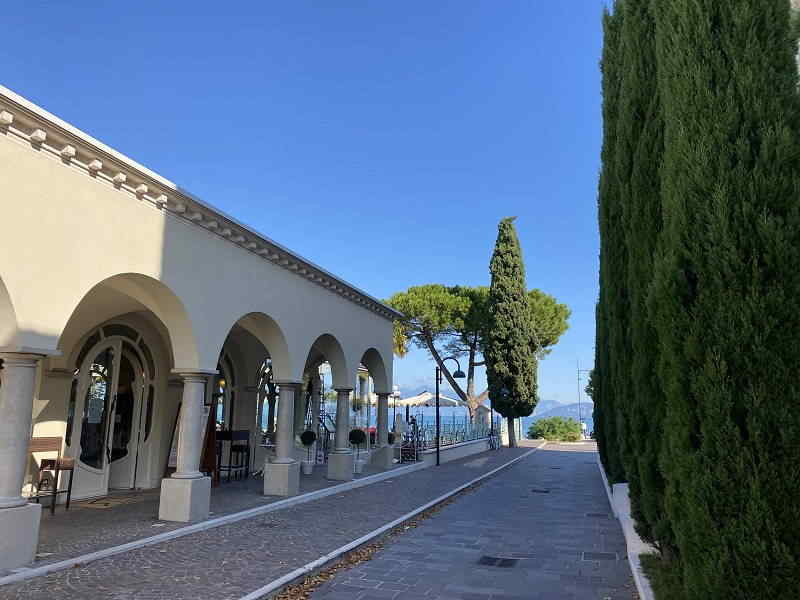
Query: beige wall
[[64, 233]]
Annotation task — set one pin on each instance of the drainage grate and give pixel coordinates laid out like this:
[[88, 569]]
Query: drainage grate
[[540, 491], [600, 556], [555, 468], [597, 515], [497, 561]]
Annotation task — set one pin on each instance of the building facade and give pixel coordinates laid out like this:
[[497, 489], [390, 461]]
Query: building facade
[[128, 307]]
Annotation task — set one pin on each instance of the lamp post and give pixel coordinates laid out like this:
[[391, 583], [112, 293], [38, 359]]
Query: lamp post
[[395, 396], [580, 414], [459, 374]]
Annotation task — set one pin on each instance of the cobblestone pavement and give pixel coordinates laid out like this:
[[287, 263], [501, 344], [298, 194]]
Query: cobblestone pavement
[[232, 560], [87, 527], [507, 540]]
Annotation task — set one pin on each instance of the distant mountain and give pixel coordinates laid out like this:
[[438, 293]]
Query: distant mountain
[[545, 405], [567, 411]]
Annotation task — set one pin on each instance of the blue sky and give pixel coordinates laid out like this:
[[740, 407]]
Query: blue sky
[[382, 140]]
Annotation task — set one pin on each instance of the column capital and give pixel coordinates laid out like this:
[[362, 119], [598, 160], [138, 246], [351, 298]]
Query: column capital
[[344, 390], [40, 352], [288, 382], [19, 359], [383, 393], [194, 374]]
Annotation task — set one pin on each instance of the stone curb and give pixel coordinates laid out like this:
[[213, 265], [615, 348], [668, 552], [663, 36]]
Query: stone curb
[[635, 545], [277, 584], [30, 572]]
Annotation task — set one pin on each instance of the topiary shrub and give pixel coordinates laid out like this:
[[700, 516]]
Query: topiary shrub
[[307, 438], [357, 437]]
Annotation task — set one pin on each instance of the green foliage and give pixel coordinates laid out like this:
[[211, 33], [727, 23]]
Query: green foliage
[[698, 318], [308, 437], [452, 321], [357, 437], [638, 156], [605, 412], [510, 360], [555, 429], [663, 576]]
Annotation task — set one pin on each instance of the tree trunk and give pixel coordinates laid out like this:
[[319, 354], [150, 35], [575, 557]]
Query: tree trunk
[[512, 434]]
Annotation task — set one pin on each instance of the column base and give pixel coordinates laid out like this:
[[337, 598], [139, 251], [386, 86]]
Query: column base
[[340, 466], [281, 479], [383, 458], [19, 535], [184, 500]]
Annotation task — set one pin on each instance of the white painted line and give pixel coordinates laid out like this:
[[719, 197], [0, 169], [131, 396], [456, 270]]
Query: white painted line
[[276, 584], [31, 572]]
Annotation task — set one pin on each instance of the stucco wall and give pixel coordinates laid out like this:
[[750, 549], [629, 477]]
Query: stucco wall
[[65, 232]]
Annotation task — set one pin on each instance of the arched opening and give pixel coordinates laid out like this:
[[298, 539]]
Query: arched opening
[[372, 379], [133, 292], [316, 406], [116, 386], [241, 424], [107, 396]]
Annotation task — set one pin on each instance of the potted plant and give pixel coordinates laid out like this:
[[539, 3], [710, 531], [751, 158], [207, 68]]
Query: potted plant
[[307, 438], [358, 437]]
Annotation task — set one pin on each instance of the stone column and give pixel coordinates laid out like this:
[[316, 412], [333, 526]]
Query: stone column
[[316, 398], [383, 456], [282, 474], [340, 461], [19, 521], [186, 496], [363, 393], [383, 420], [299, 410]]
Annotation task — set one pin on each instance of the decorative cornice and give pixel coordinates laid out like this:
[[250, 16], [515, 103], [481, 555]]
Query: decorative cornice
[[75, 149]]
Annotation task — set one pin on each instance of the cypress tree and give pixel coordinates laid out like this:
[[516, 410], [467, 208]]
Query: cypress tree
[[510, 361], [725, 295], [606, 408], [638, 158]]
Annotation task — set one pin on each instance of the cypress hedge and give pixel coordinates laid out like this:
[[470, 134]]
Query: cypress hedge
[[640, 149], [605, 416], [698, 318]]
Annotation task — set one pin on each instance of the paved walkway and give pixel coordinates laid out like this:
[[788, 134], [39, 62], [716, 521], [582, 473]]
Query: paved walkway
[[232, 560], [542, 529], [123, 517]]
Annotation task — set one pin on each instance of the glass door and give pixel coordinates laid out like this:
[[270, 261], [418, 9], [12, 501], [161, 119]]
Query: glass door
[[98, 385], [124, 436]]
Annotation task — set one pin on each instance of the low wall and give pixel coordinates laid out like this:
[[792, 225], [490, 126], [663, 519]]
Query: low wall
[[455, 451], [619, 498]]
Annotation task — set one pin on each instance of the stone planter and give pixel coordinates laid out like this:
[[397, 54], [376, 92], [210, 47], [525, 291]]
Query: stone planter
[[307, 466], [358, 466]]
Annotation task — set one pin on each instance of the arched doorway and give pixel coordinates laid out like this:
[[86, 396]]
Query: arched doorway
[[110, 412]]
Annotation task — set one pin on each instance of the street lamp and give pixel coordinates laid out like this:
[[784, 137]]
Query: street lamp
[[580, 413], [395, 396], [459, 374]]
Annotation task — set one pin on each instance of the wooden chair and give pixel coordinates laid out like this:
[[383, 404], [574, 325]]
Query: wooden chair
[[56, 466]]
